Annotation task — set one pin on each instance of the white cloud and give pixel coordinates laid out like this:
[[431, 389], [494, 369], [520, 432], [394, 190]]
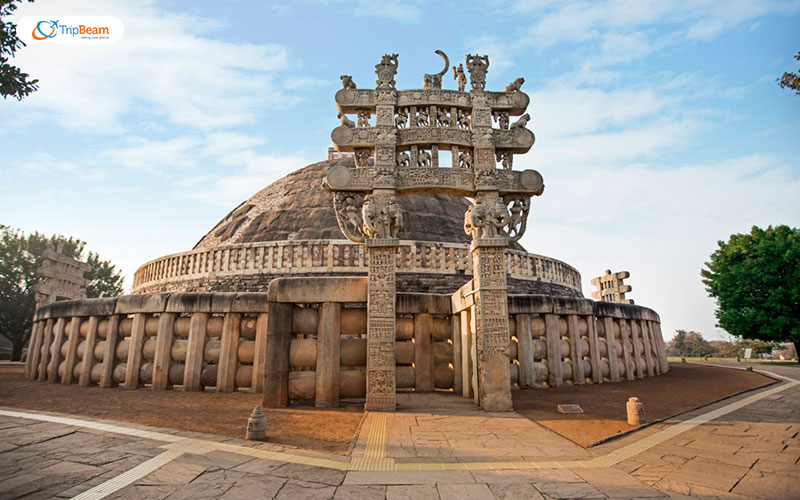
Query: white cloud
[[165, 68]]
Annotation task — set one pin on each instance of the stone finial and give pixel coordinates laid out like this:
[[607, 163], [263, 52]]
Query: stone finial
[[435, 81], [257, 425], [347, 82], [610, 287], [477, 67]]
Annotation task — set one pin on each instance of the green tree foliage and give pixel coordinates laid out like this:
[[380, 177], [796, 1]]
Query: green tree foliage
[[20, 257], [755, 279], [791, 80], [690, 344], [13, 82]]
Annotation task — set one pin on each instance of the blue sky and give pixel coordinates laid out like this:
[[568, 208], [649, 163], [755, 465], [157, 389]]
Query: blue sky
[[659, 126]]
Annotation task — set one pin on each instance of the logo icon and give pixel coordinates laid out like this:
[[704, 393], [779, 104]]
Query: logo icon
[[39, 34]]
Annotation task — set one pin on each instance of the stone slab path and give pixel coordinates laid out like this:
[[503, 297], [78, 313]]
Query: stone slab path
[[436, 446]]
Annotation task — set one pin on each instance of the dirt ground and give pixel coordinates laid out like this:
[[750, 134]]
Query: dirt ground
[[223, 414], [684, 387]]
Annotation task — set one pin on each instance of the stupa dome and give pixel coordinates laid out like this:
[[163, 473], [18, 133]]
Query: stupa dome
[[297, 208], [289, 229]]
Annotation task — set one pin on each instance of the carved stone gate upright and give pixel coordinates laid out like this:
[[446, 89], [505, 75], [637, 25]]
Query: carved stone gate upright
[[411, 127]]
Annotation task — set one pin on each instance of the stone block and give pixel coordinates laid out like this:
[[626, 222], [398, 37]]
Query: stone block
[[405, 377], [189, 302], [222, 302], [314, 290], [570, 305], [530, 304], [150, 303], [250, 302], [409, 303]]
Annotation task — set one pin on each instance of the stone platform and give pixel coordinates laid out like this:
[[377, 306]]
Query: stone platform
[[435, 446]]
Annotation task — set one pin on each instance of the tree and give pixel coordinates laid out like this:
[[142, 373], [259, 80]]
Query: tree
[[755, 279], [791, 80], [691, 344], [13, 82], [20, 257]]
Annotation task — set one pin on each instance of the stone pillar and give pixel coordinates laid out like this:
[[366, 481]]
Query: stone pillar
[[55, 359], [112, 337], [455, 324], [326, 393], [613, 355], [553, 339], [85, 377], [491, 322], [466, 347], [575, 354], [195, 345], [163, 355], [34, 350], [45, 355], [527, 375], [625, 335], [594, 349], [648, 348], [423, 353], [259, 356], [276, 370], [381, 324], [228, 352], [135, 351]]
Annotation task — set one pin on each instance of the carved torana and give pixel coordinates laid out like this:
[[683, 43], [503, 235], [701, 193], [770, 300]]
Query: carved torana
[[411, 128]]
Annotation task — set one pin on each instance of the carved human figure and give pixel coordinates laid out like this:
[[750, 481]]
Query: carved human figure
[[401, 118], [515, 224], [460, 77], [423, 159], [515, 86], [347, 82], [347, 122], [403, 160], [506, 159], [442, 118], [346, 208], [522, 122], [422, 117], [477, 66], [362, 157], [370, 213], [465, 159], [462, 119], [363, 117], [501, 117]]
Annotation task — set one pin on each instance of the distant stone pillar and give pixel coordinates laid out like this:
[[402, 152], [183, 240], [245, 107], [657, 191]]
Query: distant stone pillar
[[381, 324]]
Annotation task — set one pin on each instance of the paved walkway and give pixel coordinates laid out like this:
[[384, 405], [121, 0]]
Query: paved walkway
[[436, 446]]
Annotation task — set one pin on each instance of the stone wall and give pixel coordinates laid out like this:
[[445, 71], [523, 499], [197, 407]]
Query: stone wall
[[423, 266], [219, 341]]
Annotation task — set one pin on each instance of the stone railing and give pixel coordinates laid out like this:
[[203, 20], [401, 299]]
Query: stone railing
[[563, 340], [332, 257], [305, 339]]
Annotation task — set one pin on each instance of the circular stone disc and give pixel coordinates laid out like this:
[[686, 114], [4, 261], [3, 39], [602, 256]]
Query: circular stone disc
[[345, 96], [530, 180], [342, 135], [338, 177]]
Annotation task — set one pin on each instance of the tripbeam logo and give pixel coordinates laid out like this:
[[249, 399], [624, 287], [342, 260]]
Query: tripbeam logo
[[72, 30]]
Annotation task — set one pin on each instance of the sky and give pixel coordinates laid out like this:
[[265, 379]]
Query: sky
[[659, 126]]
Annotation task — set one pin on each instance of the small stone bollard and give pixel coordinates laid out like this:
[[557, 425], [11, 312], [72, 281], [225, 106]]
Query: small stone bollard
[[257, 425], [635, 412]]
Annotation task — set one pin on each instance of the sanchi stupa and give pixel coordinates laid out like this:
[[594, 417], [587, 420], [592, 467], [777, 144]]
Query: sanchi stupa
[[428, 290]]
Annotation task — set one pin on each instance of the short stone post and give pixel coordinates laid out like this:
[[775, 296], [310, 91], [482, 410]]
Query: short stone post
[[326, 393], [635, 412]]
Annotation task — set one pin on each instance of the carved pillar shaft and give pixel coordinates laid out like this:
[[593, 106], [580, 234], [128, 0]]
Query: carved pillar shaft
[[381, 324], [491, 323]]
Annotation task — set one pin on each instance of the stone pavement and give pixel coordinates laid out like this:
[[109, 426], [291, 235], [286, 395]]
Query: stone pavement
[[436, 446]]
